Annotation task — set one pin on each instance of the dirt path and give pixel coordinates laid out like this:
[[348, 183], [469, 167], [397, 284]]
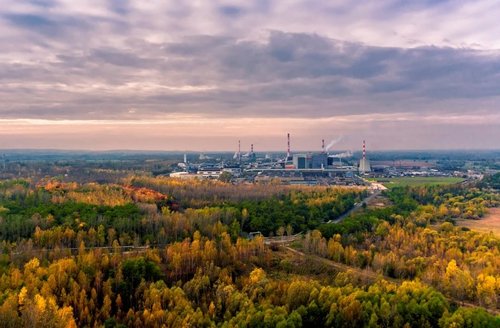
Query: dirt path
[[371, 275]]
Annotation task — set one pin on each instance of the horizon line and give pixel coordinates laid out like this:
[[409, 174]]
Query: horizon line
[[232, 151]]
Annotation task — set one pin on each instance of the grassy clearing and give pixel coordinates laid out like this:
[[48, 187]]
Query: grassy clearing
[[417, 181], [491, 222]]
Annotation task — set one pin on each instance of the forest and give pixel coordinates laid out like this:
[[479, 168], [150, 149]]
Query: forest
[[151, 251]]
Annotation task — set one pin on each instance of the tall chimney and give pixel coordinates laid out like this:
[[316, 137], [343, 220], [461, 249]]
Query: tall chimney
[[323, 145], [288, 149], [364, 149], [239, 151]]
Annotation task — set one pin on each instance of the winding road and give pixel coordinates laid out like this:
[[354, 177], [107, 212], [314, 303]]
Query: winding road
[[375, 190]]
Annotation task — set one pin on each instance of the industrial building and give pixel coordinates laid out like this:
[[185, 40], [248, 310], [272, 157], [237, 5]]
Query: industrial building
[[310, 161], [301, 168], [322, 167]]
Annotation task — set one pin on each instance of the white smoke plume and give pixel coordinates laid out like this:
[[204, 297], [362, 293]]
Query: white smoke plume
[[333, 142], [343, 155]]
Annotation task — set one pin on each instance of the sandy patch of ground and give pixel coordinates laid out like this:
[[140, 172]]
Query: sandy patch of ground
[[378, 201], [490, 222]]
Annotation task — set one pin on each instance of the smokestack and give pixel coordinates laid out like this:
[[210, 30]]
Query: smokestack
[[323, 145], [288, 149], [364, 149], [251, 148], [239, 150]]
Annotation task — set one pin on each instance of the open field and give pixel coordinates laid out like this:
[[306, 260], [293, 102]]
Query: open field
[[491, 222], [417, 181], [406, 163], [378, 201]]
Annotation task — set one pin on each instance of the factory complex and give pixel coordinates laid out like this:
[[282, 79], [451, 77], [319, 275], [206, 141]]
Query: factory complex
[[311, 168]]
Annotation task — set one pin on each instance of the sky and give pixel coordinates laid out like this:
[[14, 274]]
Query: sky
[[201, 75]]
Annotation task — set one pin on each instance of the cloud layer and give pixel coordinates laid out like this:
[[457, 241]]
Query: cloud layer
[[417, 66]]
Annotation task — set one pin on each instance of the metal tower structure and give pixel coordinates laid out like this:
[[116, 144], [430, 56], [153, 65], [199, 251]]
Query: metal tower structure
[[239, 151], [288, 153]]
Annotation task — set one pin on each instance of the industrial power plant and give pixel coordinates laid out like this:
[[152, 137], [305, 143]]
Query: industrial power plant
[[322, 166]]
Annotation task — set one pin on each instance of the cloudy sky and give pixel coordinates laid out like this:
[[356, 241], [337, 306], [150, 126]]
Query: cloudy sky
[[199, 75]]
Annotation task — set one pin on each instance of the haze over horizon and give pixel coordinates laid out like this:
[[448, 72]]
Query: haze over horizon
[[166, 75]]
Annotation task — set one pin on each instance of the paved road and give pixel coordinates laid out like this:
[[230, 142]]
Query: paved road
[[356, 207], [375, 190]]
